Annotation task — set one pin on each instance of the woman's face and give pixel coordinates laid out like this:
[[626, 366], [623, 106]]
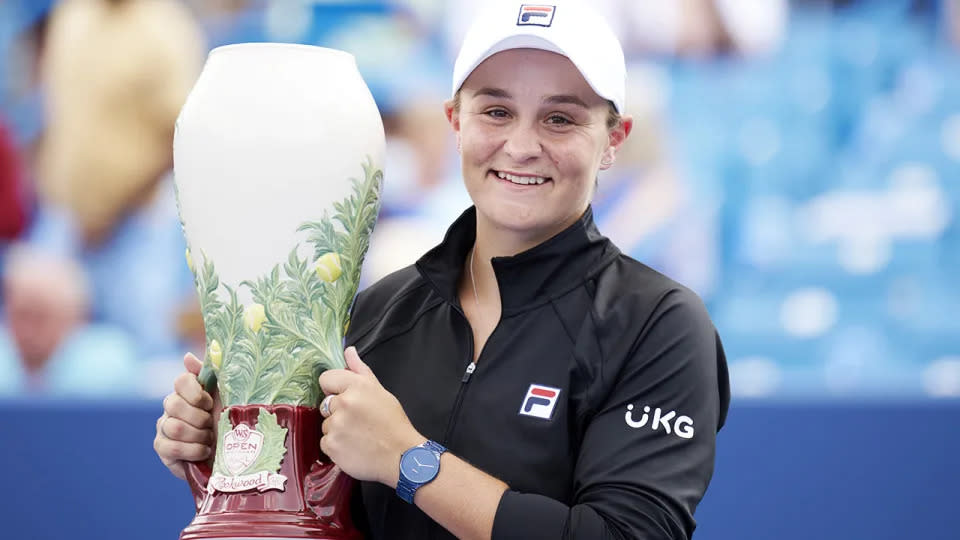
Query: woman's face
[[533, 136]]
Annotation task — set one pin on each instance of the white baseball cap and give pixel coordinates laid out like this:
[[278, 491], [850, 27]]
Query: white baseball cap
[[567, 27]]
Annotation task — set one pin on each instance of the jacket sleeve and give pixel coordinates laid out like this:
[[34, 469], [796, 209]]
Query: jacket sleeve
[[647, 454]]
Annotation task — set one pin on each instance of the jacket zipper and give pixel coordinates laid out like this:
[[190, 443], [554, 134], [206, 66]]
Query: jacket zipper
[[471, 367], [466, 374]]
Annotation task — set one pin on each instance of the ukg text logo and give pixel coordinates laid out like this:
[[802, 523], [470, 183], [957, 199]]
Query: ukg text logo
[[681, 426]]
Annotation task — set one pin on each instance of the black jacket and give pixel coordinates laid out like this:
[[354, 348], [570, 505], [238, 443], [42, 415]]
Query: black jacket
[[624, 449]]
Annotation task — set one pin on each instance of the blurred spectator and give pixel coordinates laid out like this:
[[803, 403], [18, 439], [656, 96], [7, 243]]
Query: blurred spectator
[[138, 277], [116, 74], [13, 215], [744, 27], [422, 126], [47, 346]]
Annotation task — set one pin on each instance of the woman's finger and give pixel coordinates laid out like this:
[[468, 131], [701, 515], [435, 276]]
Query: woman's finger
[[355, 364], [192, 363], [172, 451], [325, 447], [178, 430], [188, 387], [178, 408], [336, 381]]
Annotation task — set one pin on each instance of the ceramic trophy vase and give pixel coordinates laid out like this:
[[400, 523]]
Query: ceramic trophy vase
[[278, 159]]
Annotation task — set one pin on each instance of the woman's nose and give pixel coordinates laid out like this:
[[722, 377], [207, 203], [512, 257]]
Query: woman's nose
[[523, 143]]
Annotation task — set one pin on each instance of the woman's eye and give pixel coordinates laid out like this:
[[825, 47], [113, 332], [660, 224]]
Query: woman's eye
[[559, 120], [497, 113]]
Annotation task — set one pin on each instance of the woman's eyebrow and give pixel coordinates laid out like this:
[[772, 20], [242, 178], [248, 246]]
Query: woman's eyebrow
[[566, 99], [493, 92]]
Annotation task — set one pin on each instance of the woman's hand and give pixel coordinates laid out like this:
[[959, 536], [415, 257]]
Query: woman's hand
[[185, 431], [366, 430]]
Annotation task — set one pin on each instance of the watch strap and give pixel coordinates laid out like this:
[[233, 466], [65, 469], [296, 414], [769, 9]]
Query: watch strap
[[406, 490], [435, 446]]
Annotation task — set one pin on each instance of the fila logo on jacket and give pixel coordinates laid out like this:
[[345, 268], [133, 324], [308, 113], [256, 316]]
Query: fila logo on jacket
[[540, 401], [682, 427]]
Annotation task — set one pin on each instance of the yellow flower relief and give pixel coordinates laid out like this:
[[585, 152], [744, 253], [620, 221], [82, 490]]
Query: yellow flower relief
[[216, 353], [253, 316], [328, 267], [189, 260]]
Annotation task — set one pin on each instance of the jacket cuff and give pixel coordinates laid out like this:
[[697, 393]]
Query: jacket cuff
[[523, 516]]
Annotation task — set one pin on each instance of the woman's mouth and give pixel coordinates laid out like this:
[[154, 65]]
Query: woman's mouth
[[521, 179]]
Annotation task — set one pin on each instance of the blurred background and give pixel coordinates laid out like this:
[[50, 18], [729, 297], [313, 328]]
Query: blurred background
[[797, 163]]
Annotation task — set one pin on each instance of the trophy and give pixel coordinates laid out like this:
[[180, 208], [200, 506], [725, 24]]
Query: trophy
[[278, 158]]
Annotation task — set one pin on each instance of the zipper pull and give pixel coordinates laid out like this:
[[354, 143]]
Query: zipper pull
[[470, 369]]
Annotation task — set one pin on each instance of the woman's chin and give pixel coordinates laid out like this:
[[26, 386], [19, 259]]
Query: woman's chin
[[523, 219]]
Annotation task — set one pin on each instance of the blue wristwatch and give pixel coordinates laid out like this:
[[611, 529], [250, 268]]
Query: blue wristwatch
[[418, 466]]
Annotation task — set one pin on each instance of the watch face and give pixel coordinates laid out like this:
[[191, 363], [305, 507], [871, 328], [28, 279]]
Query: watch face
[[419, 465]]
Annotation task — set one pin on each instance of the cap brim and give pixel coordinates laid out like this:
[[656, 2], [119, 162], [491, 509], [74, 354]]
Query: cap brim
[[525, 41], [519, 41]]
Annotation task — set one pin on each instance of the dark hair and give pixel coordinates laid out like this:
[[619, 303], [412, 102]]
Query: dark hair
[[613, 117]]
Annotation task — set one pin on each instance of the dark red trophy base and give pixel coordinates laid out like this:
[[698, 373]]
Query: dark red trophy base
[[314, 504]]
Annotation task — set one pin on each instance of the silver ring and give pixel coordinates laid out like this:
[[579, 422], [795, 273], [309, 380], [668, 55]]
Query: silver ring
[[325, 406]]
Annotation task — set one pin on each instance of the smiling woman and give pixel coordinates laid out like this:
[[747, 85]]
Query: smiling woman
[[503, 374], [533, 137]]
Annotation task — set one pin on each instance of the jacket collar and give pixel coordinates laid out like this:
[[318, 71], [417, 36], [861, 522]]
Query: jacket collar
[[529, 278]]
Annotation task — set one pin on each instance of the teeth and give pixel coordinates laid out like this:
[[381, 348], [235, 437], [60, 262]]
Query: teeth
[[523, 180]]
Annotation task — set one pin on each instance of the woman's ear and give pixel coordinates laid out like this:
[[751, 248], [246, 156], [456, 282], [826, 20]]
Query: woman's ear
[[453, 116], [617, 136], [452, 112]]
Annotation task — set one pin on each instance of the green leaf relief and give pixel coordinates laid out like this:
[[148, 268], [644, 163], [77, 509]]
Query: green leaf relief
[[236, 366], [223, 427], [274, 448], [274, 351]]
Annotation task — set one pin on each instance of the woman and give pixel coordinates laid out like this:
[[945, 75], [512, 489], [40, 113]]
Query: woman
[[577, 392]]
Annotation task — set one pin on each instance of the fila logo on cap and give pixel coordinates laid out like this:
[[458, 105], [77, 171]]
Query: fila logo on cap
[[536, 15], [540, 401]]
